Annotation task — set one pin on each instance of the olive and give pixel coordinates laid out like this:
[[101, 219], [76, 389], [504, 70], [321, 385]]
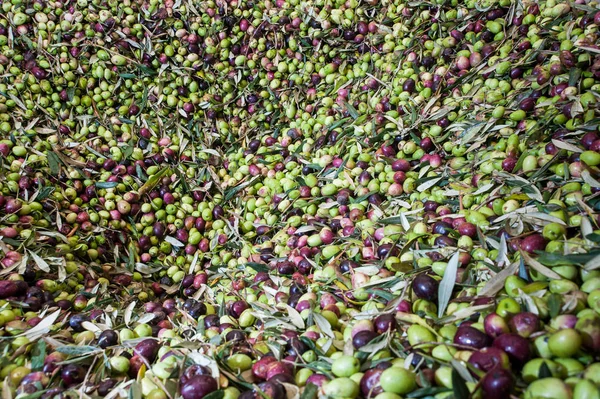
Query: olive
[[425, 287]]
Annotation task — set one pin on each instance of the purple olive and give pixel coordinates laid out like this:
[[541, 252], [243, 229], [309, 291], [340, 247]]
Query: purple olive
[[72, 374], [524, 324], [515, 346], [362, 338], [193, 371], [533, 242], [108, 338], [487, 359], [472, 337], [495, 325], [105, 386], [369, 383], [497, 384], [385, 322], [76, 320], [425, 287], [147, 349], [8, 288], [198, 387]]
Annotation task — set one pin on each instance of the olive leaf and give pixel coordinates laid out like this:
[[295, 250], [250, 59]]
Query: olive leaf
[[53, 163], [76, 350], [41, 263], [215, 395], [537, 266], [42, 328], [38, 355], [135, 391], [310, 392], [459, 387], [447, 285], [323, 324]]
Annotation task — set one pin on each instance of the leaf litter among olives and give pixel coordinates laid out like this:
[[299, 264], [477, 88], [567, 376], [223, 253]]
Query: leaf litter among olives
[[283, 199]]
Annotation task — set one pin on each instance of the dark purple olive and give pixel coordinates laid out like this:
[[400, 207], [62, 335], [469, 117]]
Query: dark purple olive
[[271, 390], [387, 249], [159, 229], [72, 374], [237, 308], [235, 335], [198, 387], [104, 387], [369, 383], [362, 338], [108, 338], [197, 310], [442, 228], [193, 371], [515, 346], [211, 320], [409, 85], [524, 324], [147, 349], [286, 268], [385, 322], [295, 347], [425, 287], [444, 241], [497, 384], [471, 337], [527, 104], [533, 242], [218, 212], [487, 359], [508, 164], [76, 320], [8, 288]]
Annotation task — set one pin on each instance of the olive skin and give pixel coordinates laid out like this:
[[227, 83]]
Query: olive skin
[[548, 388], [425, 287], [497, 383], [472, 337], [198, 387]]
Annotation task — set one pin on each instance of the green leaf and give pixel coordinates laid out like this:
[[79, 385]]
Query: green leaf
[[544, 371], [106, 184], [146, 70], [351, 110], [215, 395], [554, 304], [127, 75], [132, 252], [45, 193], [459, 387], [153, 181], [594, 237], [54, 163], [447, 285], [337, 124], [310, 392], [259, 267], [127, 151], [38, 355], [135, 392], [71, 93], [428, 391], [555, 259], [391, 220], [76, 350]]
